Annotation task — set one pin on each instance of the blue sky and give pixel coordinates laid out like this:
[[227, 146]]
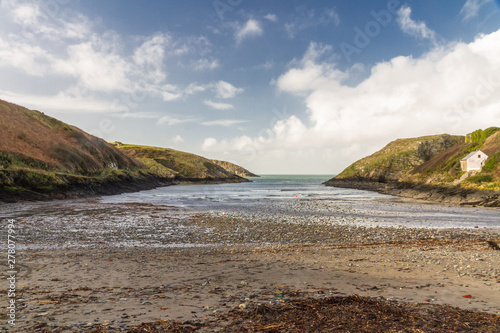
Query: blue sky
[[275, 86]]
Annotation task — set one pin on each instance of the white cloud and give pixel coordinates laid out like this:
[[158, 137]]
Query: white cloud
[[218, 105], [204, 64], [310, 75], [168, 92], [172, 120], [471, 8], [194, 88], [177, 139], [95, 68], [79, 62], [208, 144], [26, 14], [30, 59], [452, 89], [414, 28], [152, 51], [252, 28], [225, 89], [240, 144], [223, 122], [271, 17]]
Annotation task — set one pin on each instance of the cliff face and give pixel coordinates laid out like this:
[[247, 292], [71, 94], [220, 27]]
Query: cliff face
[[429, 168], [233, 168]]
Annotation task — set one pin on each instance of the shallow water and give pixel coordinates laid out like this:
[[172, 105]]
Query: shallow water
[[307, 197], [268, 210]]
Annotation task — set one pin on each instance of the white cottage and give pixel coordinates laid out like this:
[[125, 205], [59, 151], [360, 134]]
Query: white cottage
[[474, 161]]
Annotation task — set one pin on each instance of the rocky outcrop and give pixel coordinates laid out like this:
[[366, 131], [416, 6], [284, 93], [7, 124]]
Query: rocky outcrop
[[233, 168]]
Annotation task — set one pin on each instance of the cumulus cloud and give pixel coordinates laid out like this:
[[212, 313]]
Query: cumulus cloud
[[452, 89], [252, 28], [208, 144], [218, 105], [412, 27]]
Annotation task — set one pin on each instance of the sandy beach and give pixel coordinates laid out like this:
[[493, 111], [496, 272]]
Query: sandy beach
[[116, 288]]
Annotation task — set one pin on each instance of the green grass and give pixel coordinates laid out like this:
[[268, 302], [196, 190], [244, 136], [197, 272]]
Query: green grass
[[481, 135], [480, 179], [13, 188]]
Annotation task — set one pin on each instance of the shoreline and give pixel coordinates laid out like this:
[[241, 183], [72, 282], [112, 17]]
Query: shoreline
[[425, 192], [97, 189]]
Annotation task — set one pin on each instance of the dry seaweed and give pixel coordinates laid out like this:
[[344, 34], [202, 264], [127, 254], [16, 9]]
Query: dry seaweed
[[334, 314]]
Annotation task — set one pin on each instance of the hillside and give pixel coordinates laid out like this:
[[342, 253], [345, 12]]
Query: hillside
[[42, 158], [171, 163], [233, 168], [399, 157], [429, 168]]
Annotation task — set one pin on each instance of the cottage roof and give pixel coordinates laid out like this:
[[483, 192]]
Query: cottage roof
[[472, 154]]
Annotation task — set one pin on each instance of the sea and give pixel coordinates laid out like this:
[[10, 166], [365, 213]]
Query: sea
[[306, 196]]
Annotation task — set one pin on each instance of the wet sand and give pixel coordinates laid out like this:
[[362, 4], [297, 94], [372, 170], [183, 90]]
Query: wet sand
[[228, 262]]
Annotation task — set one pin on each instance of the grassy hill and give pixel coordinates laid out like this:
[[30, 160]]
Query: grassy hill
[[429, 168], [166, 162], [42, 157], [399, 157], [444, 168]]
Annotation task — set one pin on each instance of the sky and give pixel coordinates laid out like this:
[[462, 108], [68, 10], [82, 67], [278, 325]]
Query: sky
[[278, 87]]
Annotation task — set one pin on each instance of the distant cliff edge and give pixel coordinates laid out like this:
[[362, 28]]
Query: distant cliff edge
[[233, 168], [429, 168]]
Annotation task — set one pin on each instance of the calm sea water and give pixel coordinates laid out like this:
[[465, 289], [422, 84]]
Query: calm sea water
[[301, 200], [266, 187], [304, 196]]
